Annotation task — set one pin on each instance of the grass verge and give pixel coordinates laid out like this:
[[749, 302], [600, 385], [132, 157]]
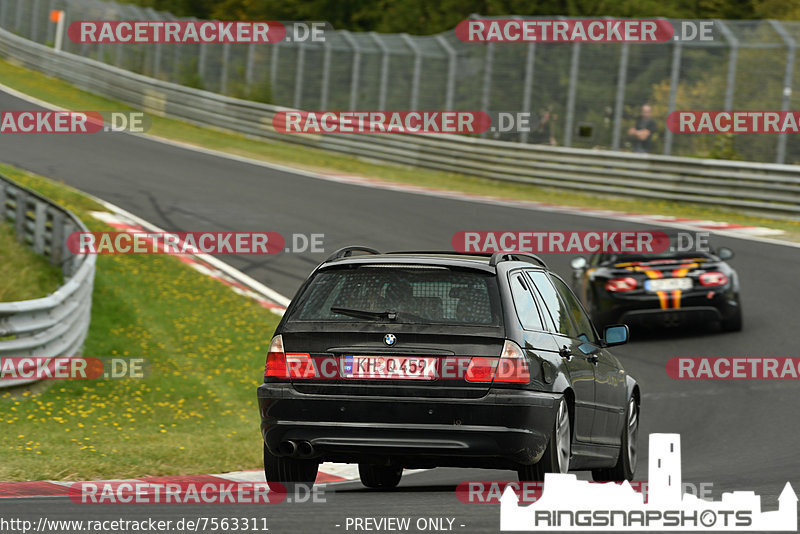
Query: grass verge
[[66, 95], [195, 413], [23, 273]]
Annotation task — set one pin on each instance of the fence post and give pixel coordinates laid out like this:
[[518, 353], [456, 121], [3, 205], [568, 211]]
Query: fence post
[[18, 16], [486, 89], [527, 88], [273, 68], [248, 69], [223, 71], [355, 72], [34, 20], [674, 77], [619, 101], [451, 71], [732, 60], [298, 75], [326, 75], [384, 70], [788, 75], [571, 93], [3, 7], [417, 70]]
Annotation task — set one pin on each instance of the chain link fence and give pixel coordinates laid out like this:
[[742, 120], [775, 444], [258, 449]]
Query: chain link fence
[[579, 95]]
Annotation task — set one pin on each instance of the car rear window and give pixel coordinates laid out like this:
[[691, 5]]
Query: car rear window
[[416, 294]]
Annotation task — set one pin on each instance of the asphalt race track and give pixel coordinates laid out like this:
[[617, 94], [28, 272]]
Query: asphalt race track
[[740, 435]]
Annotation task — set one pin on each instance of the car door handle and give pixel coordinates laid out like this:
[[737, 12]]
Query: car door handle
[[565, 352]]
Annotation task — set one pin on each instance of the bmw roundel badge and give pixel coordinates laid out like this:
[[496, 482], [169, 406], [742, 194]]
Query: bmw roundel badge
[[390, 339]]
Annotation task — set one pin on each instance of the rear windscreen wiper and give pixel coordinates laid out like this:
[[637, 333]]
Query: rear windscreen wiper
[[365, 314]]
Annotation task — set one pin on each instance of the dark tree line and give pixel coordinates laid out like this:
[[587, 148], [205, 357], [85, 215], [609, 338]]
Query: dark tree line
[[432, 16]]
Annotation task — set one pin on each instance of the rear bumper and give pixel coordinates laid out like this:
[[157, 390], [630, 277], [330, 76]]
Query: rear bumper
[[692, 308], [503, 428]]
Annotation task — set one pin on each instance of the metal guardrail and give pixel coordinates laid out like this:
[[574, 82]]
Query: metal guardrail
[[754, 187], [56, 325]]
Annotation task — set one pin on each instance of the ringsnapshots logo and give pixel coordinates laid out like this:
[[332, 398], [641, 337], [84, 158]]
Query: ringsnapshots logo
[[569, 504]]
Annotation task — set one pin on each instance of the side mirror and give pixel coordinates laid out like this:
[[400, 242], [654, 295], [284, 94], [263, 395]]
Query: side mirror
[[578, 263], [724, 253], [616, 334]]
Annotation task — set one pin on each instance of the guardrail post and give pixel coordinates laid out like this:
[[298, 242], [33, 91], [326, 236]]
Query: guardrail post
[[67, 261], [417, 70], [19, 219], [298, 75], [451, 71], [39, 227], [674, 78], [355, 72], [571, 93], [486, 90], [619, 101], [56, 238], [788, 76], [3, 197]]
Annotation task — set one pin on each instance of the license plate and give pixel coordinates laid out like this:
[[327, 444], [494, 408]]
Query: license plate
[[668, 284], [388, 367]]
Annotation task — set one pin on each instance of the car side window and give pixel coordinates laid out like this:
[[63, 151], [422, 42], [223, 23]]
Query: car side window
[[585, 329], [526, 308], [556, 308]]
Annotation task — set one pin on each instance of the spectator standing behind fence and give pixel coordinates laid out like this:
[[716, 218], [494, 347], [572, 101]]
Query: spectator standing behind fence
[[542, 131], [642, 133]]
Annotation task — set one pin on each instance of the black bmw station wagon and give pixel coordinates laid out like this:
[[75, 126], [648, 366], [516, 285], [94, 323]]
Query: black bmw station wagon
[[419, 359]]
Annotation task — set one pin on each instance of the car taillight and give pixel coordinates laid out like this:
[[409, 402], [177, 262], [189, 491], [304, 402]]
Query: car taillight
[[300, 365], [713, 278], [288, 365], [615, 285], [513, 368], [510, 368], [481, 369], [276, 359]]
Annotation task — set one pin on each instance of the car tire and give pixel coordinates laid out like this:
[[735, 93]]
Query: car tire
[[559, 449], [628, 454], [284, 470], [379, 476], [734, 322]]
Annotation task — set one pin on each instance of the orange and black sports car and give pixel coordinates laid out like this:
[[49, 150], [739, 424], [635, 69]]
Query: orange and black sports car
[[661, 289]]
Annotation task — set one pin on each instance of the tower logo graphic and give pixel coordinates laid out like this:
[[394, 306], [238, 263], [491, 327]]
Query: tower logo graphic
[[569, 504]]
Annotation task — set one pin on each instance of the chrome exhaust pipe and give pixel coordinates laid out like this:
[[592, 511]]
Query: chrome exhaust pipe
[[287, 448], [305, 449]]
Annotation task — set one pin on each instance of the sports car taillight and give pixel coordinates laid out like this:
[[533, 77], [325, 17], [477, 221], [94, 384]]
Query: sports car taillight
[[510, 368], [291, 365], [626, 283], [713, 278]]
